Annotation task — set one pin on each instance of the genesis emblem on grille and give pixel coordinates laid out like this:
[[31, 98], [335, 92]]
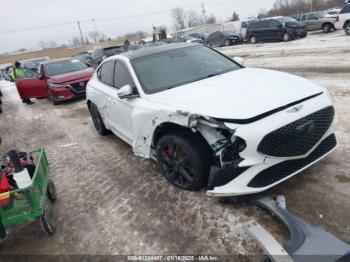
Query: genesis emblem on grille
[[82, 84], [295, 109]]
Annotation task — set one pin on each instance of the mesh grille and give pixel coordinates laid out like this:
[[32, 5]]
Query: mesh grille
[[286, 168], [299, 137], [225, 175]]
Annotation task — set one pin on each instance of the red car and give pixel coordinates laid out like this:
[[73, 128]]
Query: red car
[[59, 80]]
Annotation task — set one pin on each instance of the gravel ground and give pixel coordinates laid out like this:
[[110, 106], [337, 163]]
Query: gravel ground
[[111, 202]]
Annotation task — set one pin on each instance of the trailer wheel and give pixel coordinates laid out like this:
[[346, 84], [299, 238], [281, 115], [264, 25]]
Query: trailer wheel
[[51, 191], [47, 222]]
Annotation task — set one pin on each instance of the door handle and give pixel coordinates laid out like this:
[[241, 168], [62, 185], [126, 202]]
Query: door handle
[[112, 99]]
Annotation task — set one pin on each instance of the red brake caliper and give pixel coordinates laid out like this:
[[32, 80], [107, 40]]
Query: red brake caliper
[[170, 151]]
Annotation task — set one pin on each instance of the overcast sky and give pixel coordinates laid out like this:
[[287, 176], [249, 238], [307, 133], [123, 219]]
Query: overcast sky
[[23, 23]]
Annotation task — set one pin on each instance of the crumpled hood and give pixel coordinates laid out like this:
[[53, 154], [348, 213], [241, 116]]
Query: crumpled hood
[[72, 76], [239, 94]]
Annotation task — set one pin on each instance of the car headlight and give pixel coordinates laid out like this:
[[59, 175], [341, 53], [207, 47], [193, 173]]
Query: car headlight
[[53, 85]]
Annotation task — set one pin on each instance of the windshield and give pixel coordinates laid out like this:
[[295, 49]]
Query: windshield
[[65, 66], [173, 68], [33, 63], [322, 14]]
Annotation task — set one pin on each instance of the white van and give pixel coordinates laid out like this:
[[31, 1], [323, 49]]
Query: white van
[[238, 27]]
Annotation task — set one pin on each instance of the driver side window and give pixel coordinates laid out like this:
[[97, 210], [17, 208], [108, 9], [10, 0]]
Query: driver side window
[[106, 72], [122, 76], [312, 17]]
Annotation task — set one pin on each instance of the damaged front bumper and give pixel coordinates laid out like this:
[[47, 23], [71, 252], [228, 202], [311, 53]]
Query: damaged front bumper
[[252, 171]]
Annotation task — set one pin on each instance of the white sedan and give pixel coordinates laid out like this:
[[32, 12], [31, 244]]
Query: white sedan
[[208, 120]]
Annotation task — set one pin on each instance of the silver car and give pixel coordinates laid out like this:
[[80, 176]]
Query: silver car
[[317, 21]]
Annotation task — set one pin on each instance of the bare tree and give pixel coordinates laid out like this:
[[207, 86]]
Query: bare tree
[[139, 33], [76, 41], [235, 17], [211, 19], [47, 44], [42, 44], [179, 18], [97, 36], [193, 18]]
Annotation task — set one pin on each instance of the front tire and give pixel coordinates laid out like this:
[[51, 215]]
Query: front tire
[[326, 28], [347, 28], [184, 159], [51, 98], [286, 37], [97, 120], [253, 39]]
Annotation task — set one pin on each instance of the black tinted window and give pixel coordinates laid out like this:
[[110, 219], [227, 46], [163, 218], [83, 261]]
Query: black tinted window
[[253, 25], [274, 23], [106, 73], [346, 9], [215, 35], [122, 76]]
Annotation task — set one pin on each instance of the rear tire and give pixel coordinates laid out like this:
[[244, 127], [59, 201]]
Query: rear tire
[[327, 28], [227, 43], [47, 222], [347, 28], [184, 159], [97, 120]]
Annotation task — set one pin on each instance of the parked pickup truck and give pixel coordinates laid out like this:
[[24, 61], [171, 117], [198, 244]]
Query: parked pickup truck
[[58, 80], [343, 19], [317, 21]]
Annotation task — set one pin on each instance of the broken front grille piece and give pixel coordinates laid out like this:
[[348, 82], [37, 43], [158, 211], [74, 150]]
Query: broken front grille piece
[[286, 168]]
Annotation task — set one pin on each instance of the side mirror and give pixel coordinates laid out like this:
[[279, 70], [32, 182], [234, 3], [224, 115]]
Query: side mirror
[[239, 60], [125, 91]]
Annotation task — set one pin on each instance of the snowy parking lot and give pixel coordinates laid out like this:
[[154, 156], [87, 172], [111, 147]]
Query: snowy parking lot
[[111, 202]]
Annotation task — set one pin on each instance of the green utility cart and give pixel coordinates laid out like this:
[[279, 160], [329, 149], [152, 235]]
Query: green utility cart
[[34, 202]]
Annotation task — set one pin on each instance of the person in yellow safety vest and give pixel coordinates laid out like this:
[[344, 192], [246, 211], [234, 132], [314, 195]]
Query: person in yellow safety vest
[[18, 72]]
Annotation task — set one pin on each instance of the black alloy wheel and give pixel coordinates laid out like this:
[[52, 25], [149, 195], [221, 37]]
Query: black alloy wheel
[[184, 160]]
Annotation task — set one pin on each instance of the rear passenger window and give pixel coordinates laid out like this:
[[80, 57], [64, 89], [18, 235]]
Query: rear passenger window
[[122, 76], [304, 18], [106, 73]]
